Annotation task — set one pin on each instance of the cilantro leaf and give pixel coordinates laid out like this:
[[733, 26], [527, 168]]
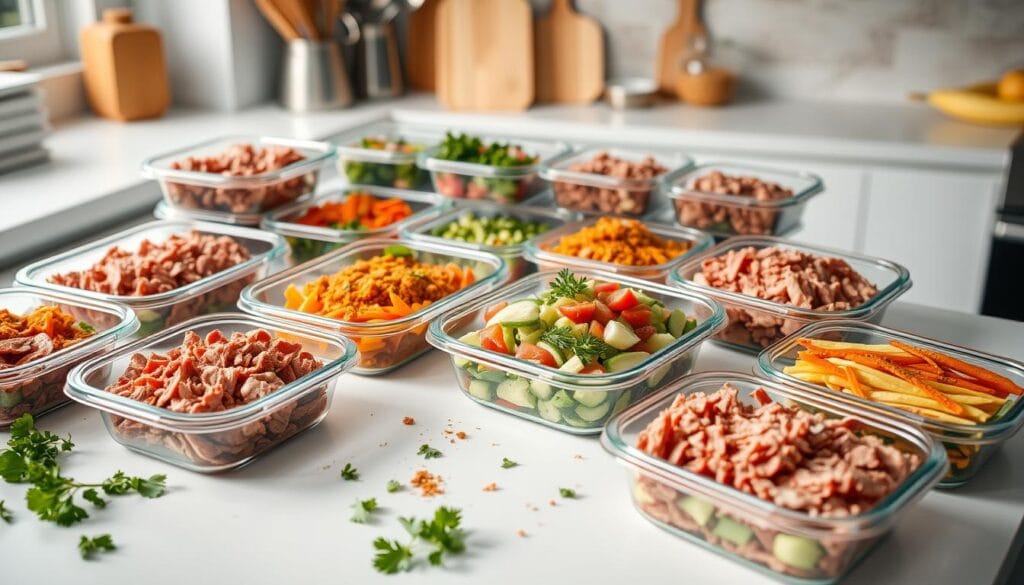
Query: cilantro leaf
[[428, 452], [5, 514], [567, 493], [507, 463], [362, 509], [394, 486], [391, 557], [91, 495], [87, 547], [349, 473]]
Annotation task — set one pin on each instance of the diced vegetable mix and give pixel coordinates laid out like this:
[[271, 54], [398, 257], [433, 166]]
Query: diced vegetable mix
[[404, 175], [500, 230], [576, 327], [920, 381], [358, 211], [471, 149]]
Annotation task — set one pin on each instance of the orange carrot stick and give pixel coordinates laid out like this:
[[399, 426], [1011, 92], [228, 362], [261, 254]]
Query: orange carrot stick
[[953, 380], [916, 352], [851, 376], [827, 352], [980, 375], [910, 376], [820, 363]]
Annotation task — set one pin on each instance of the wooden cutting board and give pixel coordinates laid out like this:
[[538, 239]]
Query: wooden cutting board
[[420, 54], [569, 56], [674, 44], [484, 54]]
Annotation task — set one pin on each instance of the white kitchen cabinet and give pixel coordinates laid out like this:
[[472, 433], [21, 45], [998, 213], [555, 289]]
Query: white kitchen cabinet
[[937, 224]]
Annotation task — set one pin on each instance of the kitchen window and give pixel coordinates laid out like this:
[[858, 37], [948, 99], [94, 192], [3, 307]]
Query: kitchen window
[[29, 30]]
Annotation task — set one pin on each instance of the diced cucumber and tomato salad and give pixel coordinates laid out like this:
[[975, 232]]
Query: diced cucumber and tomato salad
[[577, 326]]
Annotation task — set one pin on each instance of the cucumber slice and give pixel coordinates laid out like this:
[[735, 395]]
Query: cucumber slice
[[593, 414], [481, 389], [574, 421], [573, 365], [580, 329], [658, 375], [691, 324], [530, 335], [517, 391], [471, 338], [589, 397], [561, 399], [625, 361], [564, 322], [728, 529], [644, 298], [797, 551], [491, 376], [561, 302], [559, 359], [517, 314], [549, 314], [677, 323], [622, 402], [619, 335], [660, 327], [542, 390], [548, 411], [641, 496], [510, 338], [698, 509], [660, 341], [147, 315], [10, 399]]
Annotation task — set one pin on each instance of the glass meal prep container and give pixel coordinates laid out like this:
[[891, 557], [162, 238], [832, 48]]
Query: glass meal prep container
[[209, 442], [308, 242], [36, 387], [756, 323], [596, 193], [513, 254], [217, 292], [725, 215], [574, 403], [362, 164], [244, 194], [968, 446], [538, 251], [383, 345], [789, 545], [165, 211], [511, 184]]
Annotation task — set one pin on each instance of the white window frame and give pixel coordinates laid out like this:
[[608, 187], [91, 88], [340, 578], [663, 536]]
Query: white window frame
[[39, 42]]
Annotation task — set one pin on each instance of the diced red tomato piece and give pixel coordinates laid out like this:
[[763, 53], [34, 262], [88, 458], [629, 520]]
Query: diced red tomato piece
[[506, 404], [493, 310], [645, 332], [594, 368], [597, 329], [638, 316], [493, 338], [641, 346], [579, 313], [622, 299], [533, 353], [605, 287], [602, 314]]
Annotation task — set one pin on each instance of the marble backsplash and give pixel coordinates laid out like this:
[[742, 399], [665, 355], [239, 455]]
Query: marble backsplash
[[864, 50]]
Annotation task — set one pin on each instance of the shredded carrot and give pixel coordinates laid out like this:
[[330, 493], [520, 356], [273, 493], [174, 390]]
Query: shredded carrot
[[62, 328], [620, 241], [358, 210]]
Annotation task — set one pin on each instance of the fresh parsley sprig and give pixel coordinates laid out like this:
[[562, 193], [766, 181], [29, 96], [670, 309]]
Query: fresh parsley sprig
[[441, 535], [507, 463], [587, 347], [87, 547], [428, 452], [5, 514], [393, 486], [349, 473], [362, 509], [567, 285]]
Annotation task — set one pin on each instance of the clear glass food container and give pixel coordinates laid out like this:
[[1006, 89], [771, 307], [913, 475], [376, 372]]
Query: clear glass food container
[[786, 544], [513, 254], [308, 242], [538, 250], [383, 345], [595, 193], [37, 387], [967, 446], [725, 215], [242, 194], [361, 165], [512, 184], [574, 403], [756, 323], [215, 293], [209, 442], [165, 211]]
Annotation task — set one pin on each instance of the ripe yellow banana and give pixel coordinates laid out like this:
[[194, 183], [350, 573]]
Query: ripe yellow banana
[[978, 104]]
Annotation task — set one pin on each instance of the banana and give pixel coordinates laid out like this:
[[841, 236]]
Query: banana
[[978, 104]]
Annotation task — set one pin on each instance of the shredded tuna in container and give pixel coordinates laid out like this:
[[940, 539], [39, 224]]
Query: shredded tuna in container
[[790, 277], [626, 242], [215, 374], [239, 160]]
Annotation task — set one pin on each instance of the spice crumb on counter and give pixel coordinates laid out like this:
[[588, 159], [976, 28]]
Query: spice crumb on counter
[[491, 487], [461, 435], [552, 503], [521, 533], [408, 421], [578, 456], [428, 483]]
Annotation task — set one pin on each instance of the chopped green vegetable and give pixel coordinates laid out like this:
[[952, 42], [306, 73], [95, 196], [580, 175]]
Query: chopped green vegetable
[[394, 486], [567, 493], [362, 509], [428, 452], [86, 327], [471, 149], [501, 230], [507, 463], [349, 473], [5, 514], [397, 250], [87, 547]]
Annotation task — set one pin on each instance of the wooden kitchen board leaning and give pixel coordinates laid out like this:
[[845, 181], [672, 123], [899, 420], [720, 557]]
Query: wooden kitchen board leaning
[[421, 53], [674, 44], [569, 56], [484, 54]]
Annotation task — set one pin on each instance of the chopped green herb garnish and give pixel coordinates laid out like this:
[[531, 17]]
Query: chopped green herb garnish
[[428, 452], [349, 473], [442, 533], [394, 486], [567, 285], [567, 493], [86, 327], [362, 509], [5, 514], [87, 547], [507, 463], [590, 347], [392, 556]]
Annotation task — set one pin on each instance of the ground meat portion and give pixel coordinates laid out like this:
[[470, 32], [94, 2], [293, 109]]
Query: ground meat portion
[[156, 268], [215, 374], [604, 200], [789, 277], [733, 219]]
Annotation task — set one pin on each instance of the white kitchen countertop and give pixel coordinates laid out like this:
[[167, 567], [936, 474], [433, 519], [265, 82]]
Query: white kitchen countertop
[[284, 518], [94, 175]]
